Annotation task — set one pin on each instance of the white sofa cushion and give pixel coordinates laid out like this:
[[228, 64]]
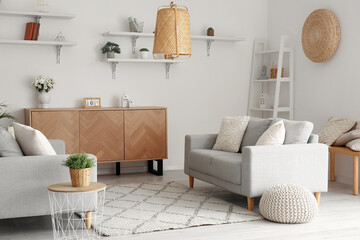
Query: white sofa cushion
[[32, 141], [274, 135], [296, 132], [231, 133]]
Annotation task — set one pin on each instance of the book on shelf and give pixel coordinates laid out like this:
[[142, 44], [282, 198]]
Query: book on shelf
[[32, 31], [29, 30], [35, 34]]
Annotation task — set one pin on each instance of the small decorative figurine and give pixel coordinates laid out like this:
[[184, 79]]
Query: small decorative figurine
[[262, 101], [263, 73], [60, 37], [125, 101]]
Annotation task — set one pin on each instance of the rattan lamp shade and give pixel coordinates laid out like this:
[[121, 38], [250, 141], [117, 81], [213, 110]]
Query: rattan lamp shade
[[320, 35], [172, 32]]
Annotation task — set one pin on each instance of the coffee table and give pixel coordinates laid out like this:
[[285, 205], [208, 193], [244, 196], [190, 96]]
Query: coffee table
[[76, 212]]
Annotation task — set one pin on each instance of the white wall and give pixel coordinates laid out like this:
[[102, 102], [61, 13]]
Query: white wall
[[198, 94], [322, 89]]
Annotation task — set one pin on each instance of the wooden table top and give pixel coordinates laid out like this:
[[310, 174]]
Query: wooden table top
[[68, 188]]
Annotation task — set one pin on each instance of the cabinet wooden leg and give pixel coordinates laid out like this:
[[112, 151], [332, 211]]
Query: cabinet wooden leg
[[332, 167], [317, 196], [88, 220], [356, 175], [250, 202], [191, 181]]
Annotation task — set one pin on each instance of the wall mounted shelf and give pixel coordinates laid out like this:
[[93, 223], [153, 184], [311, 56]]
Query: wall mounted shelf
[[272, 80], [135, 36], [286, 50], [38, 16], [58, 45], [280, 109], [115, 61]]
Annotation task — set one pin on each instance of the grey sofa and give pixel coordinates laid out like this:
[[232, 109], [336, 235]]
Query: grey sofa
[[257, 168], [24, 182]]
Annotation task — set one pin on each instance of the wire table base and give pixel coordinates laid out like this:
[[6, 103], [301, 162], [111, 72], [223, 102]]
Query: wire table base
[[77, 215]]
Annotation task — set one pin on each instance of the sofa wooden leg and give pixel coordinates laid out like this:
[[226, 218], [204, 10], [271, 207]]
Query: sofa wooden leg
[[250, 202], [317, 196], [191, 181], [88, 220]]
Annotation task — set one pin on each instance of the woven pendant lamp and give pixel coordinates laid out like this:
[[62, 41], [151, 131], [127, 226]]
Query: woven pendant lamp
[[172, 32]]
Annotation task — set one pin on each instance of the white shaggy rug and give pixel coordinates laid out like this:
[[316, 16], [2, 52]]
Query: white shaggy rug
[[148, 207]]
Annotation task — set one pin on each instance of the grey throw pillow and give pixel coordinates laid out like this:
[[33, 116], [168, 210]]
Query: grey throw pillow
[[256, 127], [347, 137], [296, 132], [8, 145]]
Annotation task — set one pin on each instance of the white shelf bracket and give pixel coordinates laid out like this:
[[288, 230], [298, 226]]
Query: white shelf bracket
[[168, 70], [58, 54], [113, 68], [209, 41], [134, 39], [38, 18]]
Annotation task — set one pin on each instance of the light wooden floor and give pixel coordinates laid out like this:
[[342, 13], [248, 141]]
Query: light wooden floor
[[338, 218]]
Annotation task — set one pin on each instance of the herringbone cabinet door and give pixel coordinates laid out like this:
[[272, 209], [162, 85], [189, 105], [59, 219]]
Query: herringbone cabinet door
[[102, 134], [145, 134], [62, 125]]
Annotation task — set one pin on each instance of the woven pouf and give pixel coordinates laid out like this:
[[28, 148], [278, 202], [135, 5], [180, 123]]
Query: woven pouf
[[288, 203]]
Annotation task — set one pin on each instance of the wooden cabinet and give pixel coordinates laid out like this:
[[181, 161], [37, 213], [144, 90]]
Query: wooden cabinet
[[145, 134], [112, 134], [58, 125], [102, 134]]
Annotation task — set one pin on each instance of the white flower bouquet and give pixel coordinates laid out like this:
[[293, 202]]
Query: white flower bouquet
[[43, 84]]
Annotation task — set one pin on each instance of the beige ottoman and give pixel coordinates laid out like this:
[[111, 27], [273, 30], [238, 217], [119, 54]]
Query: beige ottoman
[[288, 203]]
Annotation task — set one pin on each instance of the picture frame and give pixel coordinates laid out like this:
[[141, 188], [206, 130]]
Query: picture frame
[[92, 102]]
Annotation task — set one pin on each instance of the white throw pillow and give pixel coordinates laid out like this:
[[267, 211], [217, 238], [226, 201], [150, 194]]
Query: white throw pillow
[[32, 141], [274, 135], [231, 133]]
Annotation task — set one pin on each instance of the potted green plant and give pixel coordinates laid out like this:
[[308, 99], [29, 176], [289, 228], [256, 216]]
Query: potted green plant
[[80, 169], [144, 53], [110, 49], [4, 113], [210, 32]]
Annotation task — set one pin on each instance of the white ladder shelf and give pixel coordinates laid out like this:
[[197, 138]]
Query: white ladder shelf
[[264, 56]]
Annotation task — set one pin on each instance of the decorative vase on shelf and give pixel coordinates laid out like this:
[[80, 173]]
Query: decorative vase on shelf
[[44, 99], [110, 55], [210, 32], [144, 53]]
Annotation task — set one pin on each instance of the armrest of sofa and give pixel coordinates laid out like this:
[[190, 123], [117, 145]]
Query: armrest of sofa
[[266, 166], [199, 141], [24, 178], [58, 145]]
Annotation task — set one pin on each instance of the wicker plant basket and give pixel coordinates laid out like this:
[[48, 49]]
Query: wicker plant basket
[[80, 177], [273, 72]]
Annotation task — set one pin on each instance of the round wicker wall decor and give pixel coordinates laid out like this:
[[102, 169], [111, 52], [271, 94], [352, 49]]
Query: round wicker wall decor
[[320, 35]]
